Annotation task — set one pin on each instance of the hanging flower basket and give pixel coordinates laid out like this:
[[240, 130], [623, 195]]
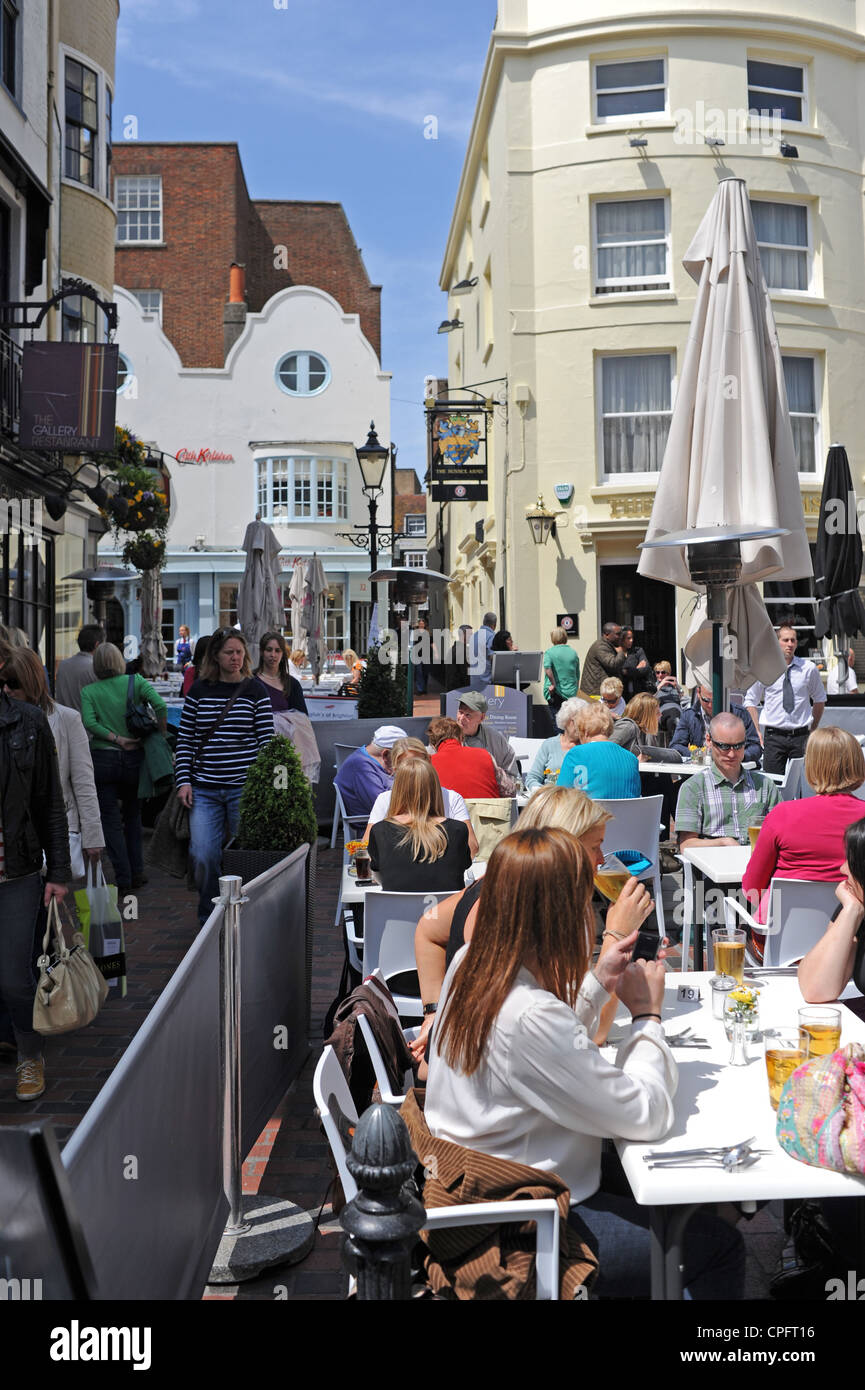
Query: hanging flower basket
[[145, 552]]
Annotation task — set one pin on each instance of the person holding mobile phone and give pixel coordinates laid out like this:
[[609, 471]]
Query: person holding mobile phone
[[514, 1073]]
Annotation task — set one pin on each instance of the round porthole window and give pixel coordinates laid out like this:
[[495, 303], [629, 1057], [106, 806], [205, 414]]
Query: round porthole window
[[302, 373]]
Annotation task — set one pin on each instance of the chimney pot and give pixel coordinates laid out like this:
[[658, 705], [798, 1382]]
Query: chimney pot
[[237, 283]]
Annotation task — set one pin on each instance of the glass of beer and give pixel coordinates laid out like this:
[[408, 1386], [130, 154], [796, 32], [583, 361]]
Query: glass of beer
[[611, 878], [753, 832], [363, 866], [819, 1031], [729, 949], [783, 1055]]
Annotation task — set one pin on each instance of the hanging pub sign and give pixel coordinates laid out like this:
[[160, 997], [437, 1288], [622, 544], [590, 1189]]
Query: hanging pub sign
[[68, 396], [457, 436]]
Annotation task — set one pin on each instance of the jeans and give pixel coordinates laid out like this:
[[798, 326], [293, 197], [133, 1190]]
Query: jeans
[[214, 810], [116, 773], [617, 1229], [19, 909]]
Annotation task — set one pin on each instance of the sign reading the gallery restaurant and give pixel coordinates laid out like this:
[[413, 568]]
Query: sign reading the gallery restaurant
[[68, 396], [186, 456], [457, 440]]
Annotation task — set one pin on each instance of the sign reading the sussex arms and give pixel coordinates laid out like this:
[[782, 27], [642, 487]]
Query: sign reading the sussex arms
[[457, 438], [68, 396]]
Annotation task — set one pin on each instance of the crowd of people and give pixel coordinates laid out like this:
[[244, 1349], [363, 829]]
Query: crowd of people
[[518, 974]]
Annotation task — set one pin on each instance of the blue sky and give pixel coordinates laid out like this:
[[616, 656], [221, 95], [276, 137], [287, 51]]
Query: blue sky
[[327, 100]]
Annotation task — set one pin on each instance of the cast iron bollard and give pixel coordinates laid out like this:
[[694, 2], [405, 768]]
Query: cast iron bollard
[[382, 1222]]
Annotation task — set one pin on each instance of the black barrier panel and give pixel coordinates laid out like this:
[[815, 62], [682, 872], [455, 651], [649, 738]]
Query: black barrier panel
[[42, 1250], [145, 1163], [274, 1043], [357, 732]]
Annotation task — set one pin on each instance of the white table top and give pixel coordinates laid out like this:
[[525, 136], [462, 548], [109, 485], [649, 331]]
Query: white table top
[[351, 891], [719, 1104], [721, 863]]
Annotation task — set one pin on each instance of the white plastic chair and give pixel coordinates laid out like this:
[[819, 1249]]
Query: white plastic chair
[[330, 1089], [390, 921], [378, 1066], [341, 751], [636, 824], [525, 750], [348, 823], [799, 911]]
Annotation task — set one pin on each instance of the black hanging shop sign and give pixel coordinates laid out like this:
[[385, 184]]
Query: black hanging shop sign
[[457, 442]]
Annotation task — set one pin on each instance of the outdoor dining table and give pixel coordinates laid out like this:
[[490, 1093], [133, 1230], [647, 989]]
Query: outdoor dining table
[[680, 769], [719, 1104], [723, 865]]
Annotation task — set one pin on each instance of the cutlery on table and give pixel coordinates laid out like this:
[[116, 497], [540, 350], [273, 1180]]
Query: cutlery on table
[[703, 1150]]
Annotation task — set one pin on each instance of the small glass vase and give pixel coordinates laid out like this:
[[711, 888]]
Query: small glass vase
[[738, 1044]]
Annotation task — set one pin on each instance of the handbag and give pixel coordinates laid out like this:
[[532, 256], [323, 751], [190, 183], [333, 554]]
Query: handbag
[[140, 718], [71, 990], [821, 1113], [102, 927]]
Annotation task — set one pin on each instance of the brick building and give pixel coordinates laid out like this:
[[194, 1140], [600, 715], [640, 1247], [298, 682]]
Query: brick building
[[250, 339], [409, 506]]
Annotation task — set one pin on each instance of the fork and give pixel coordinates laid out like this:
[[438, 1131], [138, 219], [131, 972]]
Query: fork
[[706, 1150]]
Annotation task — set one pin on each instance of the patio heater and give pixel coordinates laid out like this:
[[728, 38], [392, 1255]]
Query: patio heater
[[714, 559]]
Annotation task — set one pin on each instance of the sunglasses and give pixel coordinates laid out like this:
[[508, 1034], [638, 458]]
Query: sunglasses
[[610, 699], [727, 747]]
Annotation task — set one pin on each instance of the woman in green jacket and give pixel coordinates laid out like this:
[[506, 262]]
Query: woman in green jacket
[[117, 759]]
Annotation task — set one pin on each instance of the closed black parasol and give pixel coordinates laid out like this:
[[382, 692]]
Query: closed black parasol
[[838, 556]]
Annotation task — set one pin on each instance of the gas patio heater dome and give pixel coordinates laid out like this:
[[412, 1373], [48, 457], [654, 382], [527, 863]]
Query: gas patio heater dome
[[714, 559]]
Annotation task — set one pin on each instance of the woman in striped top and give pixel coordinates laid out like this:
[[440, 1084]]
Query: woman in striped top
[[211, 763]]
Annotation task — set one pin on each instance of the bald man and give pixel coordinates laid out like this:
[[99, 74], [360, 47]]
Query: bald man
[[717, 805]]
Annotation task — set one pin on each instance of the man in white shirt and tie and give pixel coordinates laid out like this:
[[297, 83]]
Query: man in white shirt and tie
[[792, 706]]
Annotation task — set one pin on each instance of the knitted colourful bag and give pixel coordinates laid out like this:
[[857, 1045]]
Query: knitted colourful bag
[[821, 1113]]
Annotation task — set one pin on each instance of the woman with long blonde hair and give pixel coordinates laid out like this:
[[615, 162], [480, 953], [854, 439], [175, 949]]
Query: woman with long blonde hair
[[514, 1073], [418, 849], [454, 806], [444, 929]]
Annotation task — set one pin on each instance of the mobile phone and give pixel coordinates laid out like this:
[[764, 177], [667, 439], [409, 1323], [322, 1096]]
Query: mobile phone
[[648, 945]]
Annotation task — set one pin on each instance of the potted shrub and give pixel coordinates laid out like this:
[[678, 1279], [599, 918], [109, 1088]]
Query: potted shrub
[[276, 818], [381, 693]]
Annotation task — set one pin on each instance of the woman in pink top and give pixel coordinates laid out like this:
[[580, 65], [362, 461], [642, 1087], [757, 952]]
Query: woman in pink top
[[805, 839]]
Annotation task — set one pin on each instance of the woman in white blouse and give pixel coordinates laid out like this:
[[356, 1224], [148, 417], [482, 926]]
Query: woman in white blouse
[[513, 1071]]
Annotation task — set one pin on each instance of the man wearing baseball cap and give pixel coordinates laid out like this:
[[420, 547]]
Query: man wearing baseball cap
[[471, 717], [367, 772]]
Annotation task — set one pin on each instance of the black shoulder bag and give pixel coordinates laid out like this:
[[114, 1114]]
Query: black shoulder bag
[[140, 718]]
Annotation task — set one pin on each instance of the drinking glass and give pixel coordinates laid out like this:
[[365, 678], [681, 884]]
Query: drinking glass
[[362, 864], [819, 1031], [611, 877], [753, 833], [729, 949], [783, 1055]]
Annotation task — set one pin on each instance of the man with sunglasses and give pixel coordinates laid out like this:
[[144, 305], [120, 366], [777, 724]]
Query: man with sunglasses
[[717, 805], [693, 727], [32, 821]]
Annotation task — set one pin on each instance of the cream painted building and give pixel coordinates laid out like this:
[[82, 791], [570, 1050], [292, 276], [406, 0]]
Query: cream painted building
[[586, 175]]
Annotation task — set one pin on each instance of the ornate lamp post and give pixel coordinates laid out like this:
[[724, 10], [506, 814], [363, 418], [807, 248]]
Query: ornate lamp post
[[373, 458]]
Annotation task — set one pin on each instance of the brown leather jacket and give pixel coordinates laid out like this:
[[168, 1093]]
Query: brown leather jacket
[[602, 660]]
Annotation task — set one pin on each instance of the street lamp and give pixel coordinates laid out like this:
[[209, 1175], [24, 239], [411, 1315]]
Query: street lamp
[[372, 457], [542, 522]]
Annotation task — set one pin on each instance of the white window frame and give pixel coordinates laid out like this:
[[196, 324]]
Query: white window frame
[[307, 468], [140, 241], [414, 516], [138, 293], [632, 116], [661, 284], [817, 367], [783, 246], [803, 96], [102, 168], [302, 352], [622, 479], [123, 361], [413, 559]]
